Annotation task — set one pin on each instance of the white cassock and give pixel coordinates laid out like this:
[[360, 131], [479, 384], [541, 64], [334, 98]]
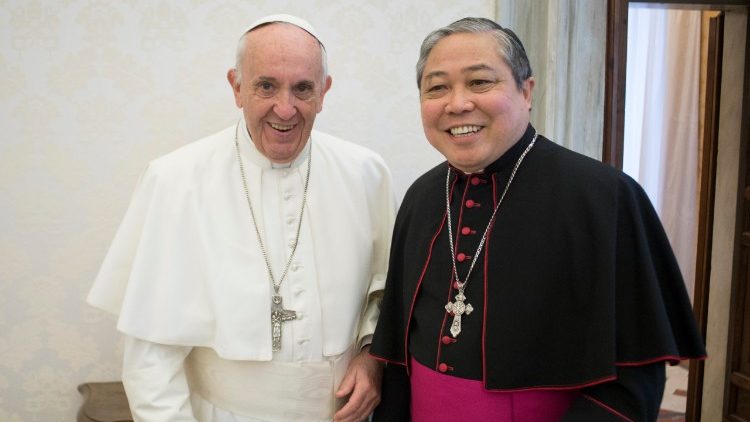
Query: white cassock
[[186, 275]]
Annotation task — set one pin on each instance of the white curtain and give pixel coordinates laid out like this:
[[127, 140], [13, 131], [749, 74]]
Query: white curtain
[[565, 41], [662, 120]]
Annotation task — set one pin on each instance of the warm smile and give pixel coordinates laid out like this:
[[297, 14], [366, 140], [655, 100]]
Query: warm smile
[[465, 130], [282, 128]]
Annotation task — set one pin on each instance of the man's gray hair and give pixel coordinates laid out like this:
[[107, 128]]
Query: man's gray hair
[[509, 46], [242, 47]]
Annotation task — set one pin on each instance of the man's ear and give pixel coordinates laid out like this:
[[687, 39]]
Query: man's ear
[[526, 88], [326, 87], [232, 77]]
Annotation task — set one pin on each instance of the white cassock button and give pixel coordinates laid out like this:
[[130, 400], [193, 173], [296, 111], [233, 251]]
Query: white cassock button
[[288, 196], [298, 290], [290, 220], [291, 243], [296, 267], [302, 341]]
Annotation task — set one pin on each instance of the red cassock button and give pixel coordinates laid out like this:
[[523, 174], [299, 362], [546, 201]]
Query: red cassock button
[[442, 367], [447, 340], [455, 285], [465, 230], [474, 180], [461, 257], [469, 203]]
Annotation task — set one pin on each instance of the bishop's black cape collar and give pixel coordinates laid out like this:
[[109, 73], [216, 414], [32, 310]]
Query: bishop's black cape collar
[[581, 277]]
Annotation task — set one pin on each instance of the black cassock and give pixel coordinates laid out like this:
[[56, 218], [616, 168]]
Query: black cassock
[[576, 287]]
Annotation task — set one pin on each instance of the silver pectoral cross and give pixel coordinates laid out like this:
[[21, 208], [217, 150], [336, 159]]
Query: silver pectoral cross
[[458, 308], [278, 315]]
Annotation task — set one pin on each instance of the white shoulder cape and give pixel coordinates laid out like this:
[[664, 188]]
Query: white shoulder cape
[[183, 268]]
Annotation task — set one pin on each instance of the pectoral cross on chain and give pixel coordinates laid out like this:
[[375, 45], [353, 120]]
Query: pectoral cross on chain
[[458, 308], [278, 315]]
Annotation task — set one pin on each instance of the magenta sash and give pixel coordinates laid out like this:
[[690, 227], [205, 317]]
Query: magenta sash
[[438, 397]]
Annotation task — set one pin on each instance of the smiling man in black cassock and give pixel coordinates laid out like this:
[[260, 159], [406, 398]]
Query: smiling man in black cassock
[[526, 282]]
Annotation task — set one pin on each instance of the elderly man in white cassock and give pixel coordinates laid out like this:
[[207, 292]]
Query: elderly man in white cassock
[[248, 270]]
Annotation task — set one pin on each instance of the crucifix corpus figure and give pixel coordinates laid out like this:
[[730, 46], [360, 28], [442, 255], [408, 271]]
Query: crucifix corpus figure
[[279, 315]]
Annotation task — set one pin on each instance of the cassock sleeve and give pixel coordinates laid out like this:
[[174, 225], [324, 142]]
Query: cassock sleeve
[[395, 396], [634, 396], [154, 378], [384, 211]]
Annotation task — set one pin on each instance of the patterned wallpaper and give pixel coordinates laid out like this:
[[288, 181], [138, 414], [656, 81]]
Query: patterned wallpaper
[[90, 90]]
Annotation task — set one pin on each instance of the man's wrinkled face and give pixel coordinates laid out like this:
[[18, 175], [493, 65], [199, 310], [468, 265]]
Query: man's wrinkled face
[[281, 89], [472, 109]]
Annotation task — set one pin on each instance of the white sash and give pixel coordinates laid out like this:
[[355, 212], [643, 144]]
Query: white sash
[[271, 390]]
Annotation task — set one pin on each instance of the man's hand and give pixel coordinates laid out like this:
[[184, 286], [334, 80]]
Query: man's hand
[[362, 380]]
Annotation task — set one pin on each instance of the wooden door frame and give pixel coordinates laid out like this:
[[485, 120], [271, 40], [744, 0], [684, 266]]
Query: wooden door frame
[[615, 66], [737, 326], [706, 203], [612, 153]]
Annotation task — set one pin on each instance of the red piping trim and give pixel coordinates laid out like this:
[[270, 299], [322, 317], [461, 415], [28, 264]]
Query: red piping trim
[[484, 311], [382, 359], [450, 278], [442, 325], [419, 284], [460, 213], [552, 387], [668, 358], [608, 408]]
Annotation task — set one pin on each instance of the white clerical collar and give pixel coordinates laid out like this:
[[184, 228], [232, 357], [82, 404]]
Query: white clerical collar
[[249, 151]]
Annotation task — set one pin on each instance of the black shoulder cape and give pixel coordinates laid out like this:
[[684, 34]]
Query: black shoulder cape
[[582, 277]]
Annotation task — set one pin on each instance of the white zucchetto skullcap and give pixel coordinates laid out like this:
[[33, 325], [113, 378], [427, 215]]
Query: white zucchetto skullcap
[[298, 22]]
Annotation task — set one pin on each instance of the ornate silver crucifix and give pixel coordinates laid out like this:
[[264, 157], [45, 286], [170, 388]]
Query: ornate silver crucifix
[[278, 315], [458, 308]]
